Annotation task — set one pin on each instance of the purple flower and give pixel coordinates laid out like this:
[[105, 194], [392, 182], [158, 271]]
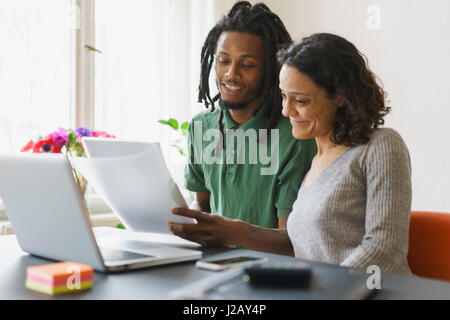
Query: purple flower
[[84, 132], [60, 137]]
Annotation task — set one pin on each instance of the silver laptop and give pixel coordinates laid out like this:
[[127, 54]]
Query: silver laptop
[[49, 218]]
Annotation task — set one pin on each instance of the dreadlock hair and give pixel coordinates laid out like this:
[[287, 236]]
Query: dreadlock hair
[[257, 20]]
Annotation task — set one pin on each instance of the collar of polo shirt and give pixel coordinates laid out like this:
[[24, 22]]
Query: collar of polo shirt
[[256, 122]]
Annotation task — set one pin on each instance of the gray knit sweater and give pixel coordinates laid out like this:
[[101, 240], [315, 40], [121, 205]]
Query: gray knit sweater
[[356, 212]]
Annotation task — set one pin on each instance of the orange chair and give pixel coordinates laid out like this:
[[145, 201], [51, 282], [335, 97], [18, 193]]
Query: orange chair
[[429, 244]]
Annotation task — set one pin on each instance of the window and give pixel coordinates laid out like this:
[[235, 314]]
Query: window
[[36, 62], [149, 67], [146, 68], [36, 67]]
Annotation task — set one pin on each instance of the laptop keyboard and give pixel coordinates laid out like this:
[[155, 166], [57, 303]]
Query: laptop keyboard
[[113, 255]]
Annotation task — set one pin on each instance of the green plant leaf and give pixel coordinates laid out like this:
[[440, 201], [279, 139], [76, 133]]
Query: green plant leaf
[[120, 226], [171, 122], [72, 138], [180, 149], [184, 128]]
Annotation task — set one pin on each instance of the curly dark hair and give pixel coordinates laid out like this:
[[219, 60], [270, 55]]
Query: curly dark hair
[[257, 20], [337, 66]]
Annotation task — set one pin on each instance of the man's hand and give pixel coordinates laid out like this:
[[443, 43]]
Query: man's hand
[[201, 202], [210, 229]]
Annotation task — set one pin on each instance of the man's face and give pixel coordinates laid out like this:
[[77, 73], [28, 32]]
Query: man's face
[[239, 68]]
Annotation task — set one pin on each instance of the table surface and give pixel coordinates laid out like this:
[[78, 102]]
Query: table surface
[[158, 282]]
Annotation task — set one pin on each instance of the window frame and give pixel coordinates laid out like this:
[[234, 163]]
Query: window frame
[[82, 96], [85, 65], [83, 77]]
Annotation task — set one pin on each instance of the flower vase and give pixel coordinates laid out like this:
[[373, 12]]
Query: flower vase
[[82, 184]]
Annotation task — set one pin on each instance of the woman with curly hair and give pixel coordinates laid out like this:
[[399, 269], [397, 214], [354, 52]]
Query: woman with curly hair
[[354, 203]]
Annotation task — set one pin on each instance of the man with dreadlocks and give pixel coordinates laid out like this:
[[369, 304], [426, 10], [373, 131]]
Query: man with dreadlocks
[[244, 45]]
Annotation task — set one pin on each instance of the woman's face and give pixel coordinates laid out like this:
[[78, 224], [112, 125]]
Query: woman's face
[[311, 111]]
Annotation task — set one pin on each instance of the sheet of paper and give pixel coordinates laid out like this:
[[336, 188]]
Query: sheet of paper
[[137, 187]]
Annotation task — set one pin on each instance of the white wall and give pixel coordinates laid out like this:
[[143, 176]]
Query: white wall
[[410, 52]]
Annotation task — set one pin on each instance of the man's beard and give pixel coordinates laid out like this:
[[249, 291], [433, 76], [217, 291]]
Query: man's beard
[[226, 105], [232, 106]]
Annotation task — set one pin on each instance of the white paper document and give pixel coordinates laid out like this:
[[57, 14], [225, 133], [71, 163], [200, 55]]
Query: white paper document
[[137, 186]]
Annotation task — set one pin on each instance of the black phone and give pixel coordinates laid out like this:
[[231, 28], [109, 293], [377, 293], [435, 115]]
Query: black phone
[[282, 274]]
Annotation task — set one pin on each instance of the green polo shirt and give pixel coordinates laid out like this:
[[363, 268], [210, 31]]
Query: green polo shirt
[[254, 177]]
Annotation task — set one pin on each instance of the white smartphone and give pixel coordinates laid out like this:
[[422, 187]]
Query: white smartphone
[[222, 264]]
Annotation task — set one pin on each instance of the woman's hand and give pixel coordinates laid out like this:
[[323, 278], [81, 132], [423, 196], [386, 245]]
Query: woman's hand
[[210, 229]]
